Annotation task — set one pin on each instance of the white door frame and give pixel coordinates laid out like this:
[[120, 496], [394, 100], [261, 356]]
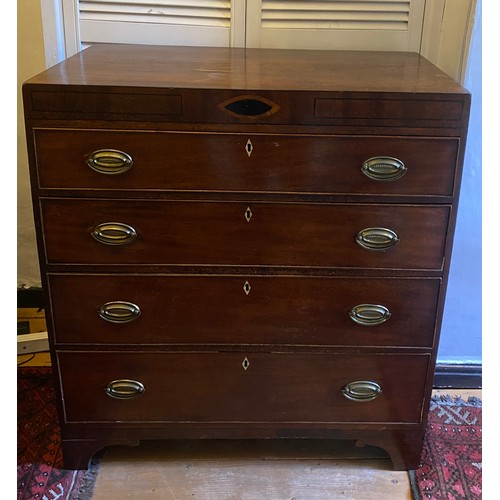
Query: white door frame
[[60, 29]]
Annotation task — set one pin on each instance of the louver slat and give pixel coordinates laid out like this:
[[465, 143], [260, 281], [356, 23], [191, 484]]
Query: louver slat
[[181, 12], [156, 22], [333, 15]]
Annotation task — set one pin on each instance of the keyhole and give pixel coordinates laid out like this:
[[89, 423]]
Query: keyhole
[[245, 364], [249, 147], [248, 214], [247, 287]]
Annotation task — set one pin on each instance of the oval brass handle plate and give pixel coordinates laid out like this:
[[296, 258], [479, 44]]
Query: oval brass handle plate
[[119, 312], [362, 390], [109, 161], [383, 168], [114, 233], [124, 389], [369, 314], [376, 238]]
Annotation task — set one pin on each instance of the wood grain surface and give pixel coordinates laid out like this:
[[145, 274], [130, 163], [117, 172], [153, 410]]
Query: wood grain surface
[[248, 310], [258, 69], [214, 233], [220, 162]]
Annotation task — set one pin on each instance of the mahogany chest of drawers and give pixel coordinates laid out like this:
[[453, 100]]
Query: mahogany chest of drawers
[[244, 243]]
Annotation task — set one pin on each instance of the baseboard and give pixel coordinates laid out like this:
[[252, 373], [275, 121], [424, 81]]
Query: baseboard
[[458, 376], [32, 342]]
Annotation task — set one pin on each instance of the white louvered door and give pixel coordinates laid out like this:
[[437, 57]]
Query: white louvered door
[[162, 22], [293, 24], [331, 24]]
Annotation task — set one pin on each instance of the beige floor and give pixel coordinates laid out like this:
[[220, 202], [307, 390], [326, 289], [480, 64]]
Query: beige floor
[[247, 470]]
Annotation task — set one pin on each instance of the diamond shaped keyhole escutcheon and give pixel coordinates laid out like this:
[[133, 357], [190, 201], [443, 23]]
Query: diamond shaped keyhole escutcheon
[[245, 364], [248, 214], [249, 148]]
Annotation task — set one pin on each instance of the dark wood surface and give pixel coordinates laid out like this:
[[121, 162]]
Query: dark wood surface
[[219, 162], [183, 106], [187, 194], [189, 84], [129, 66], [211, 233], [217, 310], [214, 387]]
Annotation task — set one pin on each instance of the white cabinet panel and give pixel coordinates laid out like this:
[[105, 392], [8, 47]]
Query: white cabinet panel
[[330, 24]]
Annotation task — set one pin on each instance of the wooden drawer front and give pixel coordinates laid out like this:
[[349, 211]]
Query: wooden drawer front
[[241, 387], [233, 162], [232, 233], [252, 310]]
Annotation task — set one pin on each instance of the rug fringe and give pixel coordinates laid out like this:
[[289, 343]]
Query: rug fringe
[[87, 487], [447, 399]]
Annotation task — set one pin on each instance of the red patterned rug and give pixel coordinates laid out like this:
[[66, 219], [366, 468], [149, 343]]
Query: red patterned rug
[[39, 456], [451, 464]]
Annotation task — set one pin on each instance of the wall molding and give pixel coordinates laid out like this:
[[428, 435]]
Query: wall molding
[[61, 29], [458, 376], [446, 35]]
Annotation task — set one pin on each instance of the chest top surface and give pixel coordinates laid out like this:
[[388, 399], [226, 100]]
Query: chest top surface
[[166, 67]]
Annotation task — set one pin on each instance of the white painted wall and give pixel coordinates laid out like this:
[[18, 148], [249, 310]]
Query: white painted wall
[[461, 333], [30, 61]]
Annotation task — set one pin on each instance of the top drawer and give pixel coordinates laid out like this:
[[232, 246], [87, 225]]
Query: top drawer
[[177, 161]]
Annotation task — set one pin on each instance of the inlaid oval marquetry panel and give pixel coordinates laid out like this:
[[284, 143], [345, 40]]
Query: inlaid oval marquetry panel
[[249, 106]]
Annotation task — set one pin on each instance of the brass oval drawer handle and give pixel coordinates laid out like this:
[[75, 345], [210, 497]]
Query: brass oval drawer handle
[[369, 314], [119, 312], [383, 168], [114, 233], [376, 238], [109, 161], [362, 390], [125, 389]]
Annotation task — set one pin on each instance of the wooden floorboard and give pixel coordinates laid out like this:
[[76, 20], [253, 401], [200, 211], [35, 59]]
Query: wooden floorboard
[[209, 471], [247, 470]]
